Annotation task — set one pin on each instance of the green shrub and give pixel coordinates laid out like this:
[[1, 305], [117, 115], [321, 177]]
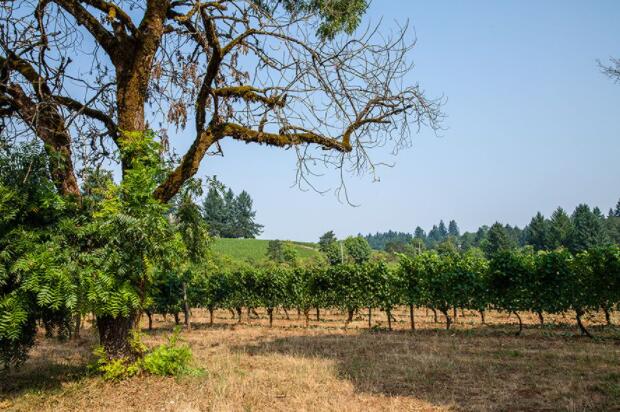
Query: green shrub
[[169, 359], [116, 369]]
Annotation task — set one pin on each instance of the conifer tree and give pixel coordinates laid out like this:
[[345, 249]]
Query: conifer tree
[[244, 215], [453, 229], [560, 228], [498, 240], [419, 233], [443, 232], [537, 232], [214, 208], [326, 240], [588, 229]]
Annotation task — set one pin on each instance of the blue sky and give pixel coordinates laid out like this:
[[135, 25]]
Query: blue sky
[[531, 124]]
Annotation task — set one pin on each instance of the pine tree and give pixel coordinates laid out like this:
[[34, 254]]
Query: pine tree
[[419, 233], [481, 235], [213, 208], [498, 240], [537, 232], [613, 227], [326, 240], [588, 229], [229, 216], [244, 224], [433, 238], [443, 232], [453, 229], [560, 227], [229, 229]]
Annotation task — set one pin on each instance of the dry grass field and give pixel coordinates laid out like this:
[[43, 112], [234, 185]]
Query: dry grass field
[[251, 367]]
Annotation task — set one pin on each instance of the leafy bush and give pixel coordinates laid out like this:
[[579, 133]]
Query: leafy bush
[[169, 359], [116, 369]]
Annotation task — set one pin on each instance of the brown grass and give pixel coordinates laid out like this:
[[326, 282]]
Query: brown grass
[[325, 367]]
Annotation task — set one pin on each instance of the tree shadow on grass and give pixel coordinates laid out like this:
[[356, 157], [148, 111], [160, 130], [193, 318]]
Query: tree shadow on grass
[[47, 379], [52, 364], [475, 369]]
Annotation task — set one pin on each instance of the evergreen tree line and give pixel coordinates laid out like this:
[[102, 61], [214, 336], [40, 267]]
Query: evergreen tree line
[[512, 281], [227, 215], [585, 228], [387, 240]]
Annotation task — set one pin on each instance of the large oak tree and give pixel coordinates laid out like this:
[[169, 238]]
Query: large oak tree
[[301, 74]]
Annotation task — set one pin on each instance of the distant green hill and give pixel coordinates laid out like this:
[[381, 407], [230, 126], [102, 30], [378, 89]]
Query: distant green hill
[[256, 249]]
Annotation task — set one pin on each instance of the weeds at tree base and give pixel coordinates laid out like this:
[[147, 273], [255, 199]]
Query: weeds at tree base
[[168, 359]]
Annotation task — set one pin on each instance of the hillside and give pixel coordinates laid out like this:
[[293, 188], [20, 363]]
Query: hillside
[[255, 249]]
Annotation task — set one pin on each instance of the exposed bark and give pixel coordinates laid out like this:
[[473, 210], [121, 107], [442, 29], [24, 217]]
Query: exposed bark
[[286, 314], [177, 320], [307, 316], [482, 317], [435, 315], [114, 336], [318, 314], [448, 319], [369, 317], [578, 314], [150, 316], [454, 313], [46, 120], [270, 314], [607, 315], [412, 316], [350, 313], [388, 312], [210, 315], [77, 326], [186, 310], [187, 168], [541, 318], [134, 67], [238, 314], [520, 323]]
